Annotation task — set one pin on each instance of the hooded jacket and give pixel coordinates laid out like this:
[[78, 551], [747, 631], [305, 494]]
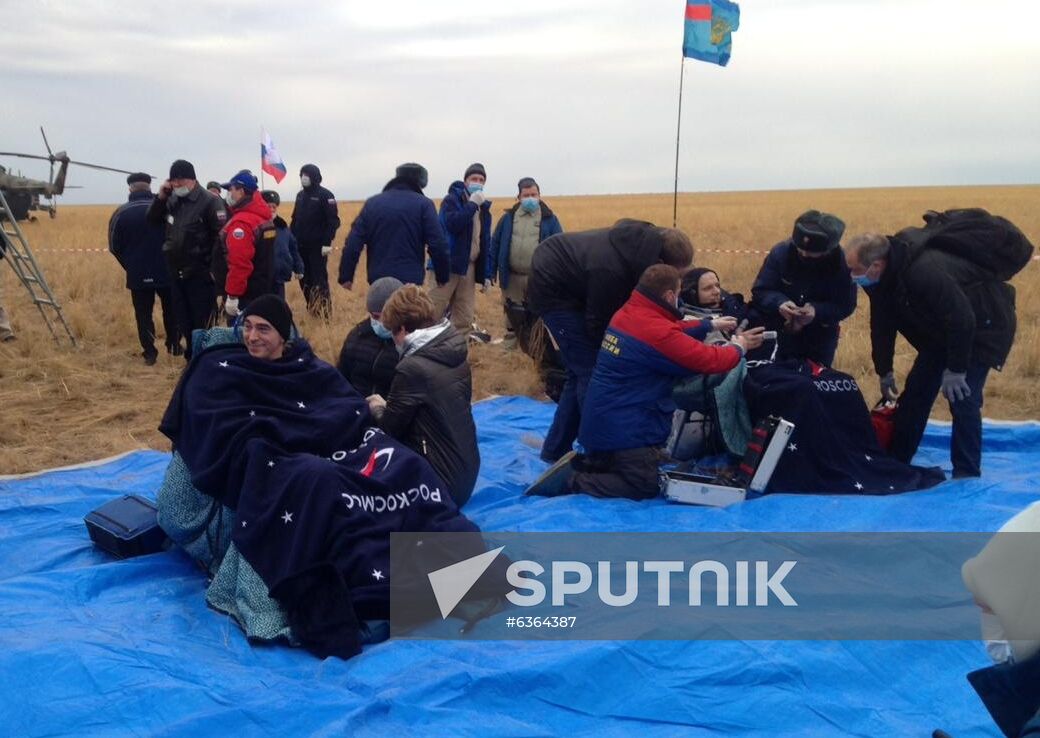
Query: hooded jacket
[[645, 351], [940, 303], [457, 218], [592, 272], [244, 265], [502, 240], [429, 410], [137, 243], [396, 225], [315, 218], [824, 282]]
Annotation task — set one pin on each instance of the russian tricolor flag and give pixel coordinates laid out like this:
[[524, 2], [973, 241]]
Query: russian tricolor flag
[[708, 26], [270, 160]]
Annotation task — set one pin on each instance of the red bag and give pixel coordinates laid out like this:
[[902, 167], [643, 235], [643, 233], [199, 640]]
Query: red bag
[[883, 418]]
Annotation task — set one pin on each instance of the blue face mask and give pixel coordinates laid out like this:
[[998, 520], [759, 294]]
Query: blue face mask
[[863, 280], [380, 330], [529, 204], [474, 187]]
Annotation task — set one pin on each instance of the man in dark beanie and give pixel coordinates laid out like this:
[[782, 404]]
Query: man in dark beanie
[[803, 290], [396, 226], [368, 358], [267, 325], [314, 222], [137, 243], [193, 219], [466, 217], [244, 269], [578, 281]]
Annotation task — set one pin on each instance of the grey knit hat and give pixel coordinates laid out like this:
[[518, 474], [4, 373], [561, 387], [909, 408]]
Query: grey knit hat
[[379, 292]]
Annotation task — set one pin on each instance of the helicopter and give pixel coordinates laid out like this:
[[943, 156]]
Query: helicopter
[[25, 195]]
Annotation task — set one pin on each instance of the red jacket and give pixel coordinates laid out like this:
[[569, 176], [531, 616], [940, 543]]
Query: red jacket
[[249, 265]]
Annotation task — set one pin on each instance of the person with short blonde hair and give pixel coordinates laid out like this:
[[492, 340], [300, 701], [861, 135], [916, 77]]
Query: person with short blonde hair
[[428, 407]]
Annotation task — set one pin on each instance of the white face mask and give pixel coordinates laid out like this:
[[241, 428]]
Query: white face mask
[[305, 181], [181, 191], [230, 198]]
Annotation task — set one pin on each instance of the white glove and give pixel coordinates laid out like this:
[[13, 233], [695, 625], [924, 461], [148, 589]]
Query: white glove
[[297, 275], [486, 286], [326, 250], [231, 306], [477, 198]]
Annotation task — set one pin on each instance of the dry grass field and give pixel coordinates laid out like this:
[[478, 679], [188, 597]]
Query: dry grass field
[[60, 405]]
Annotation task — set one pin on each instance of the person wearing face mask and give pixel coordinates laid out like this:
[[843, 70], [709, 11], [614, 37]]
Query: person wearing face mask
[[466, 217], [244, 265], [314, 222], [429, 405], [287, 261], [803, 290], [627, 416], [519, 231], [959, 318], [194, 219], [368, 358]]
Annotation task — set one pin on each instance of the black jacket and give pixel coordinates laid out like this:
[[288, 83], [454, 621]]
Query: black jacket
[[367, 361], [193, 225], [429, 410], [137, 243], [315, 218], [824, 282], [592, 272], [940, 303]]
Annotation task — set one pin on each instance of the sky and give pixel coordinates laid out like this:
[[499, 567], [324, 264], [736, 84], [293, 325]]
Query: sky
[[580, 94]]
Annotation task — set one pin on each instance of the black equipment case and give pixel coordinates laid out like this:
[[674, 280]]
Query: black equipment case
[[126, 527]]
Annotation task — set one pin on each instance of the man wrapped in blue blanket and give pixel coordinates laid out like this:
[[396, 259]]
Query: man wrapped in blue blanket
[[276, 435]]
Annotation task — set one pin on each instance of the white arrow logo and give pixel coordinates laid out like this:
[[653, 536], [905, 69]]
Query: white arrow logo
[[452, 583]]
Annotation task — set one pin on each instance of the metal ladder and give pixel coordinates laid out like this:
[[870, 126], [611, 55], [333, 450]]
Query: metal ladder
[[18, 254]]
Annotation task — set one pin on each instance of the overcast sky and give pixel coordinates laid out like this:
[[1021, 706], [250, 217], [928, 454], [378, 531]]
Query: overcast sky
[[580, 94]]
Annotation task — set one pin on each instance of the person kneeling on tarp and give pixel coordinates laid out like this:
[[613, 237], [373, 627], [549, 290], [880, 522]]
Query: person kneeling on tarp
[[429, 406], [628, 409]]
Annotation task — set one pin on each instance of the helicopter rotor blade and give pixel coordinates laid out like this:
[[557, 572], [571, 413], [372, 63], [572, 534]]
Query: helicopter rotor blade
[[99, 166], [50, 153], [25, 156]]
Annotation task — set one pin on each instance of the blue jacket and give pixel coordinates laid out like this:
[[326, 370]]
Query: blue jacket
[[645, 350], [457, 218], [396, 225], [287, 259], [502, 239], [137, 243], [824, 282]]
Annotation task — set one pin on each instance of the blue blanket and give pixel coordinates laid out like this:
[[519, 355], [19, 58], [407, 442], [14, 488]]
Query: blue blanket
[[92, 646]]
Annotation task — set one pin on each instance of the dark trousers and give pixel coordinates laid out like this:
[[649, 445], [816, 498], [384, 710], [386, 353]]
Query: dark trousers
[[143, 299], [195, 303], [315, 282], [578, 351], [915, 404], [631, 473]]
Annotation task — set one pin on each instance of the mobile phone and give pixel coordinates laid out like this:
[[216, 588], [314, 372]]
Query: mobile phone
[[768, 335]]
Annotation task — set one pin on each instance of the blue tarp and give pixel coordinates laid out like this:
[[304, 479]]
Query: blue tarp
[[92, 646]]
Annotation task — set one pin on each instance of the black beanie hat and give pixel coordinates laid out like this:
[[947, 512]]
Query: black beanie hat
[[414, 173], [271, 197], [275, 311], [139, 177], [691, 281], [817, 232], [182, 169], [476, 168], [526, 182]]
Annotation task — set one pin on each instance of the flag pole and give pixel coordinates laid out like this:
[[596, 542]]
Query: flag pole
[[262, 185], [678, 131]]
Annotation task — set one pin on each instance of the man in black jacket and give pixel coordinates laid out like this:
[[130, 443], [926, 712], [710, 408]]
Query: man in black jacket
[[803, 290], [429, 407], [137, 244], [368, 358], [578, 281], [314, 222], [395, 226], [194, 219], [961, 320]]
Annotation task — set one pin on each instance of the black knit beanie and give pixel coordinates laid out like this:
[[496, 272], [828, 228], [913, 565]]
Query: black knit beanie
[[275, 311], [182, 169]]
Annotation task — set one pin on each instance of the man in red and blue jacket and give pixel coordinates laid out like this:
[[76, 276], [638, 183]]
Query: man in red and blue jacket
[[627, 414]]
